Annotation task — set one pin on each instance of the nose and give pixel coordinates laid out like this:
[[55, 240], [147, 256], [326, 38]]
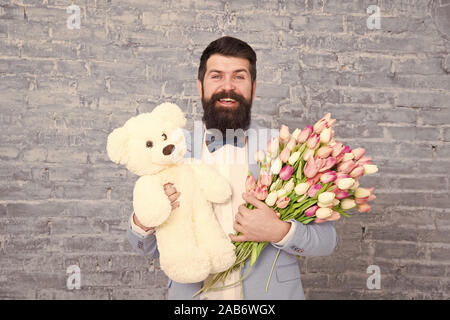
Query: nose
[[228, 84], [168, 149]]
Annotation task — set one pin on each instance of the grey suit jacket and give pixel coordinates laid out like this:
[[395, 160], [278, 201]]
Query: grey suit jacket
[[307, 240]]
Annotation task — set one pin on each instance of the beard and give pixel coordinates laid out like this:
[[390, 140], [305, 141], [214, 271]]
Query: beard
[[223, 118]]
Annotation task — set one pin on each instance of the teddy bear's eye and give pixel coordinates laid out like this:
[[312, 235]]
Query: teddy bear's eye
[[149, 144], [164, 136]]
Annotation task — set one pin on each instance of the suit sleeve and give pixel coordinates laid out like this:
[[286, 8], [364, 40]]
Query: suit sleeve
[[142, 242], [310, 240]]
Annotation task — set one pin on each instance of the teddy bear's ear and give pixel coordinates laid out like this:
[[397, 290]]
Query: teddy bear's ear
[[117, 145], [170, 112]]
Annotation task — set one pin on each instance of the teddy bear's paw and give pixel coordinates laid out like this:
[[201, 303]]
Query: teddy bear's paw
[[223, 259], [194, 270], [220, 191]]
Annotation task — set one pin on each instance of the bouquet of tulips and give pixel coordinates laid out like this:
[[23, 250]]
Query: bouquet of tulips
[[307, 176]]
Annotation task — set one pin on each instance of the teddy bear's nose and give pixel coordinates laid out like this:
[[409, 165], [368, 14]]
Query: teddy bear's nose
[[168, 149]]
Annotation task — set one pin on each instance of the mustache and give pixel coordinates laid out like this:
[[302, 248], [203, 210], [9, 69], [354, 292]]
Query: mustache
[[227, 94]]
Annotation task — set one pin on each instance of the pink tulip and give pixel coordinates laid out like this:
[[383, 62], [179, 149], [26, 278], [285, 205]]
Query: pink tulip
[[312, 191], [357, 172], [361, 200], [343, 152], [314, 179], [265, 177], [358, 152], [284, 155], [291, 144], [327, 164], [324, 152], [286, 172], [341, 175], [282, 202], [313, 141], [261, 193], [328, 177], [284, 133], [323, 123], [304, 135], [346, 166], [311, 211], [311, 168], [364, 160], [371, 197], [340, 194], [363, 207], [337, 149], [250, 183]]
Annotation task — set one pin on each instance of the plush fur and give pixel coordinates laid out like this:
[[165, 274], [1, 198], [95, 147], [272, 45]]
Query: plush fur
[[191, 242]]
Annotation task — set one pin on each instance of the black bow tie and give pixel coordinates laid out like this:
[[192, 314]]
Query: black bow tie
[[214, 144]]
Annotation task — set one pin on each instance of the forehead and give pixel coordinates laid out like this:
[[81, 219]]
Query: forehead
[[226, 63]]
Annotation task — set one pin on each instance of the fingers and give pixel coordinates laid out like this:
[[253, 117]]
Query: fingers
[[334, 217], [169, 189], [239, 238], [175, 205], [252, 200]]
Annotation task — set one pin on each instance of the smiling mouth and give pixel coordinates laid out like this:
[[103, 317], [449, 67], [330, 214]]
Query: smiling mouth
[[227, 102]]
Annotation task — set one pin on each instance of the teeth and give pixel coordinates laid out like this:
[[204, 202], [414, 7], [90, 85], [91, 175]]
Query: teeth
[[227, 100]]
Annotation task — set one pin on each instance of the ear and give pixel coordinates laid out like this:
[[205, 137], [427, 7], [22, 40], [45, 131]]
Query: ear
[[117, 146], [169, 112], [254, 89], [199, 88]]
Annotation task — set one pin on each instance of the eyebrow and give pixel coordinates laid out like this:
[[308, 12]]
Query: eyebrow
[[235, 71]]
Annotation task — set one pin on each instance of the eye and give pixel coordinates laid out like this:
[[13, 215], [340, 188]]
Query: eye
[[164, 136], [149, 144]]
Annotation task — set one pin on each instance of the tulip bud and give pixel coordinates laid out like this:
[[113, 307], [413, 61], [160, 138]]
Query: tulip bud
[[346, 166], [313, 141], [272, 146], [370, 168], [311, 211], [347, 156], [294, 157], [291, 144], [259, 156], [265, 177], [304, 135], [301, 188], [326, 197], [311, 168], [283, 202], [362, 193], [285, 154], [271, 198], [345, 183], [296, 133], [325, 205], [312, 191], [284, 133], [325, 135], [365, 207], [250, 183], [323, 213], [357, 172], [328, 177], [261, 193], [276, 185], [289, 186], [347, 204], [308, 154], [276, 166], [358, 152], [324, 152], [340, 194], [286, 172], [355, 185]]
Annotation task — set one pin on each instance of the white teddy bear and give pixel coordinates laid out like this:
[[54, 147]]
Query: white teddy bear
[[190, 240]]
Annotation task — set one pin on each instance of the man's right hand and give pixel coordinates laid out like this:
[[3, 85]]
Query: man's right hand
[[172, 194]]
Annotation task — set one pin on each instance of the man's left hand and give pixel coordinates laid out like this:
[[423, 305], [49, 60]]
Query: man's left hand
[[260, 224]]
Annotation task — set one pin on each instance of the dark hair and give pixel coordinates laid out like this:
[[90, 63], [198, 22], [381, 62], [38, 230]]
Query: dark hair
[[231, 47]]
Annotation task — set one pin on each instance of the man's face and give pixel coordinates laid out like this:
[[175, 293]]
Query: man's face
[[227, 92]]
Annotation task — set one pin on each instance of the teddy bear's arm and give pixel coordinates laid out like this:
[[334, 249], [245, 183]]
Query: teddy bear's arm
[[150, 203], [214, 186]]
